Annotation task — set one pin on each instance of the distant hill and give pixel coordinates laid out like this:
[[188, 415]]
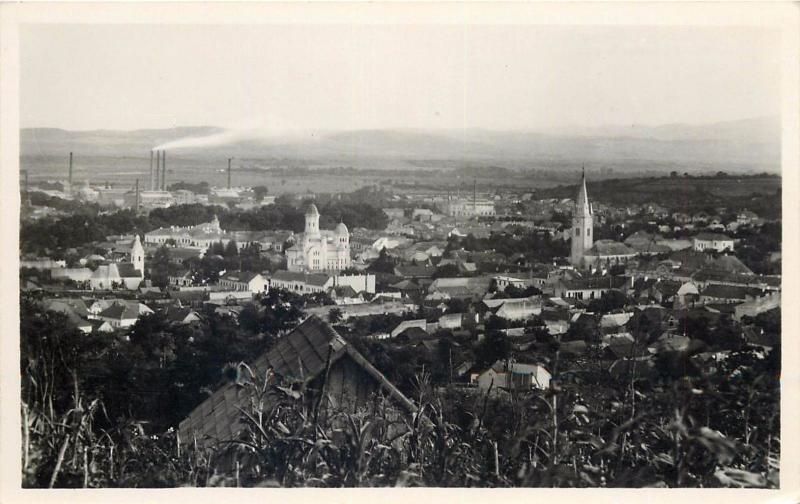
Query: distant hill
[[752, 144]]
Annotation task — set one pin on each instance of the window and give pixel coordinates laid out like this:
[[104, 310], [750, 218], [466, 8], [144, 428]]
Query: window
[[588, 231], [577, 231]]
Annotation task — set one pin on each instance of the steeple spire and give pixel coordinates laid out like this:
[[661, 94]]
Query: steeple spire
[[582, 206]]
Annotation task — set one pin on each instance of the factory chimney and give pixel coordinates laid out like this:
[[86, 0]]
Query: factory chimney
[[151, 170], [475, 197], [157, 180], [137, 195], [70, 170], [229, 173], [163, 170]]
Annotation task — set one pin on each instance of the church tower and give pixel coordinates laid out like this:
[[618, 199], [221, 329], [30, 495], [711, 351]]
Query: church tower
[[312, 222], [582, 225], [137, 255]]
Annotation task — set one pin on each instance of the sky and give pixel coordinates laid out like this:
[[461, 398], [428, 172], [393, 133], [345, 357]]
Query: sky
[[344, 77]]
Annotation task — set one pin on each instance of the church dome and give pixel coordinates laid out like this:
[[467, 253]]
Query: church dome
[[341, 229], [312, 210]]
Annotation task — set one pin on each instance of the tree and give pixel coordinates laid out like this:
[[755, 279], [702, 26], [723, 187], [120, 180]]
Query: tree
[[383, 264], [610, 301], [495, 346], [335, 315], [259, 192], [160, 267], [231, 250]]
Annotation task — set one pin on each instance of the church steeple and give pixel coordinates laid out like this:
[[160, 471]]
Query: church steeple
[[582, 205], [582, 224]]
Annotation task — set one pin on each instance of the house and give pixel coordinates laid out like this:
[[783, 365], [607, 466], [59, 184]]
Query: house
[[751, 308], [411, 271], [513, 309], [462, 288], [182, 316], [229, 311], [407, 324], [313, 356], [451, 321], [585, 288], [607, 252], [101, 326], [364, 309], [507, 375], [243, 281], [345, 294], [712, 241], [74, 309], [182, 278], [123, 313], [518, 280], [301, 282], [716, 293], [421, 214], [423, 251]]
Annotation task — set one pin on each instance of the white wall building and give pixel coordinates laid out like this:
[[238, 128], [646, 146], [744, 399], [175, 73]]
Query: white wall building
[[317, 250]]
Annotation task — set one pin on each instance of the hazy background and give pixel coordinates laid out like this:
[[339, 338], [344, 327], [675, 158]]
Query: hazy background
[[521, 97]]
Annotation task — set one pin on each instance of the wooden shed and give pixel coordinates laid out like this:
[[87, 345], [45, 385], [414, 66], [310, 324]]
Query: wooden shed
[[299, 358]]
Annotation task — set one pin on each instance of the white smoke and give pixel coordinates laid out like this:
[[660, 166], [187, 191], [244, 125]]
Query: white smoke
[[212, 140], [252, 129]]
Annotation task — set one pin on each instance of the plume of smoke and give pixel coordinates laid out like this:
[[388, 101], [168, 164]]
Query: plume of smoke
[[213, 140], [257, 128]]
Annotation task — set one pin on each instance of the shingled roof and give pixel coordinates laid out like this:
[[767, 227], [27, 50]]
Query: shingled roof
[[299, 355]]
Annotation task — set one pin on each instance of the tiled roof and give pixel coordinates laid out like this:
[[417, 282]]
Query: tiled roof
[[609, 248], [121, 311], [126, 270], [240, 276], [607, 282], [299, 355], [319, 279], [730, 291], [712, 237]]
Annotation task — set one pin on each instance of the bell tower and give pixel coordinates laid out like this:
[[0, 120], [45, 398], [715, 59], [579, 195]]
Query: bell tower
[[582, 225], [137, 255], [312, 222]]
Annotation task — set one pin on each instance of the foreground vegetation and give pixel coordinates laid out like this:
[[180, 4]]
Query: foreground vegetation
[[101, 411]]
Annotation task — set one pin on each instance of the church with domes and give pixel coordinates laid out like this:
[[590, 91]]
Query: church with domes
[[319, 250]]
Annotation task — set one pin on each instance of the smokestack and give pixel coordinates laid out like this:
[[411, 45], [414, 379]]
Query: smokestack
[[70, 170], [229, 173], [157, 180], [475, 197], [163, 170], [137, 194], [151, 170]]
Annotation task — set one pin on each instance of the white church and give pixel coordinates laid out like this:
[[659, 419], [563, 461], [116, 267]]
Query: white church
[[316, 250]]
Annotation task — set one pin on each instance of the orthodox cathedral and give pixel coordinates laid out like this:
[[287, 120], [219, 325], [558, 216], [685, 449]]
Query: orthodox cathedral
[[316, 250]]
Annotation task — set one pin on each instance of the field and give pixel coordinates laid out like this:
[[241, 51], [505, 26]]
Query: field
[[282, 176]]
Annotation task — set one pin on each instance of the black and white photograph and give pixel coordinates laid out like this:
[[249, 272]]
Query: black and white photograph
[[399, 250]]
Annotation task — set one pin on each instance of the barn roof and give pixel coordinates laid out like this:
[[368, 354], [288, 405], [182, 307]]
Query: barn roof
[[299, 355]]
